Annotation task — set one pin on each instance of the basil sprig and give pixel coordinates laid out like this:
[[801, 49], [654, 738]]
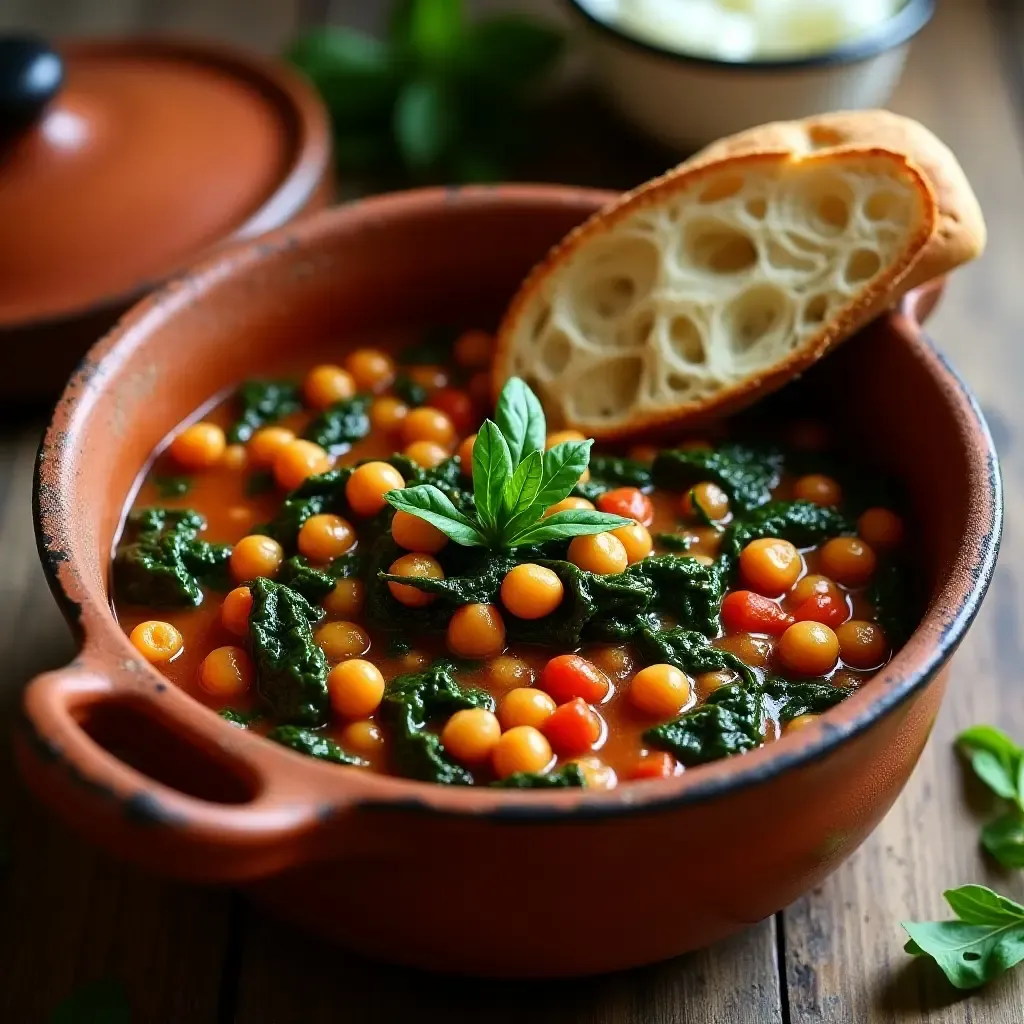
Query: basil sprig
[[515, 481], [999, 762]]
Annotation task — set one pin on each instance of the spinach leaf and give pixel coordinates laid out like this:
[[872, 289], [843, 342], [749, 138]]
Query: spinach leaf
[[409, 391], [748, 475], [101, 1002], [479, 584], [986, 939], [342, 424], [315, 495], [172, 486], [610, 471], [691, 652], [895, 600], [567, 776], [291, 670], [243, 719], [447, 477], [261, 402], [315, 584], [804, 698], [674, 541], [684, 588], [1004, 839], [410, 703], [161, 561], [312, 744]]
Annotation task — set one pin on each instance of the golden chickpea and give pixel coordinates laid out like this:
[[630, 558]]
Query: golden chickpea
[[267, 443], [426, 454], [235, 609], [158, 642], [473, 350], [568, 505], [298, 461], [427, 424], [476, 631], [637, 541], [325, 385], [325, 537], [507, 671], [433, 378], [465, 454], [387, 414], [617, 663], [364, 738], [235, 457], [521, 749], [254, 556], [862, 644], [770, 565], [415, 534], [226, 672], [346, 600], [199, 446], [811, 585], [525, 706], [819, 489], [355, 688], [708, 497], [531, 591], [597, 774], [848, 560], [661, 691], [751, 650], [561, 436], [366, 487], [800, 722], [601, 553], [881, 529], [371, 369], [418, 566], [808, 649], [471, 735], [708, 682], [342, 640]]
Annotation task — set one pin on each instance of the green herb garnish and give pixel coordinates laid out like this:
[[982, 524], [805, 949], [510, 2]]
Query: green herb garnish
[[999, 762], [172, 486], [514, 483], [261, 402], [312, 744]]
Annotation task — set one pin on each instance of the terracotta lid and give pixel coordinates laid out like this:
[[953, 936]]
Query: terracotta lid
[[140, 156]]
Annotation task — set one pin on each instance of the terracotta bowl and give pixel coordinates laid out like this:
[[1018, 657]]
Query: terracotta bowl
[[396, 868]]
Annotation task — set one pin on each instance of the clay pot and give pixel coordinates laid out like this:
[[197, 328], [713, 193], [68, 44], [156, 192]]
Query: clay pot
[[396, 868]]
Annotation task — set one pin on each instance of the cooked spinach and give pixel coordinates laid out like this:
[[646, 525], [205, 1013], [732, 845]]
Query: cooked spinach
[[567, 776], [315, 495], [243, 719], [747, 474], [674, 541], [411, 702], [895, 600], [172, 486], [315, 584], [731, 721], [312, 744], [447, 477], [610, 471], [435, 348], [684, 588], [342, 424], [291, 670], [409, 391], [261, 402], [478, 580], [691, 652], [804, 698], [162, 561]]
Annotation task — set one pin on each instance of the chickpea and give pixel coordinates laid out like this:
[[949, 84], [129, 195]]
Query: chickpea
[[708, 682], [417, 566], [254, 556], [471, 735], [370, 369], [808, 648], [507, 671], [415, 534], [751, 650], [819, 489], [226, 672], [531, 591], [366, 487], [325, 385], [427, 424], [235, 457], [476, 631], [235, 609], [324, 537], [862, 644], [568, 505], [363, 738], [800, 722], [430, 377], [770, 566], [881, 529], [158, 642], [617, 663], [521, 749], [342, 640], [525, 706], [355, 688], [601, 553], [561, 436], [241, 515], [298, 461], [597, 774], [709, 498], [661, 691], [388, 414], [811, 585], [346, 599], [199, 446], [426, 454], [637, 541], [465, 454], [848, 560], [267, 443], [473, 350]]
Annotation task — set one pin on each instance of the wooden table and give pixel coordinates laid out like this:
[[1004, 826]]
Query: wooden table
[[71, 916]]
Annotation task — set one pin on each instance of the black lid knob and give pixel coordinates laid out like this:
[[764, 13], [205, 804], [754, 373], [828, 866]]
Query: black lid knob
[[31, 74]]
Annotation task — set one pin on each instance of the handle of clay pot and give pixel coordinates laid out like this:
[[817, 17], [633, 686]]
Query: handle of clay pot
[[244, 813], [919, 304]]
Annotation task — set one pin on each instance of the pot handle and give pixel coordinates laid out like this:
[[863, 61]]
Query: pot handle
[[919, 304], [135, 765]]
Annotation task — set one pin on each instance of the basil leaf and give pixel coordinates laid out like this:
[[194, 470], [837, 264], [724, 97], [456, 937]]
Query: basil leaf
[[430, 504], [1004, 839], [424, 123], [987, 940], [571, 523], [519, 504], [520, 419], [563, 466], [510, 50], [995, 758], [492, 469], [434, 28]]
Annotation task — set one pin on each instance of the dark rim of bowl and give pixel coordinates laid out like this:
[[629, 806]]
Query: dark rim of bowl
[[897, 30]]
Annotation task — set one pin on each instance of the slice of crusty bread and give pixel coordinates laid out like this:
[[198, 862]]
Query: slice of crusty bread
[[712, 285], [960, 232]]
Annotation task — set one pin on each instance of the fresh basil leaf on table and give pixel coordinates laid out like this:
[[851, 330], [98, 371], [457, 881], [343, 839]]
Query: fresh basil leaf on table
[[999, 762]]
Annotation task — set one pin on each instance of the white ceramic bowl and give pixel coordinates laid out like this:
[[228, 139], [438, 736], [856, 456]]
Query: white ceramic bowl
[[687, 101]]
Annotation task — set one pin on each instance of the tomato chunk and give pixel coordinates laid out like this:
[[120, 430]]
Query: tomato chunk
[[628, 502], [458, 407], [655, 765], [745, 611], [827, 609], [573, 728], [569, 676]]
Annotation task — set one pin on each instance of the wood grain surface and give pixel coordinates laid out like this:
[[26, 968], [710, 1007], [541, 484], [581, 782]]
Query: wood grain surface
[[187, 955]]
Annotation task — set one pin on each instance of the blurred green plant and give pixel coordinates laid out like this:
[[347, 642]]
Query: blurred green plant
[[440, 99]]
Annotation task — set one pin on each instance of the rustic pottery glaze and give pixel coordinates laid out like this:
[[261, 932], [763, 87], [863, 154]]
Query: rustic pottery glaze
[[151, 153], [396, 868]]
